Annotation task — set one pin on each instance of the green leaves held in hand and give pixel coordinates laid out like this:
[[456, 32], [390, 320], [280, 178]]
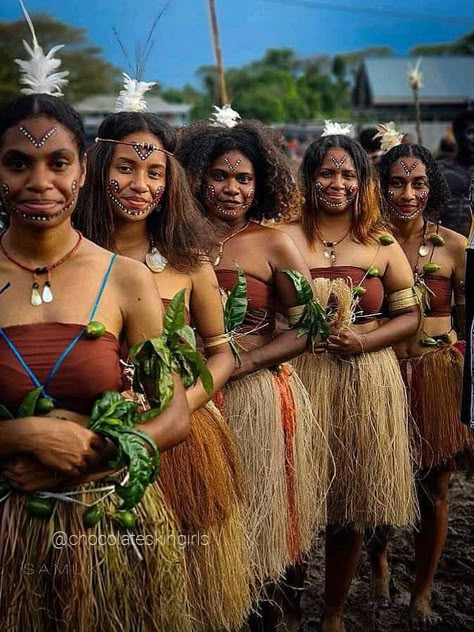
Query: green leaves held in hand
[[304, 291], [313, 322], [5, 413], [28, 405], [174, 351], [236, 304], [235, 309], [114, 417]]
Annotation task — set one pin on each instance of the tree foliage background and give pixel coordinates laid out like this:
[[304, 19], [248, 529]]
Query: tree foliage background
[[279, 88]]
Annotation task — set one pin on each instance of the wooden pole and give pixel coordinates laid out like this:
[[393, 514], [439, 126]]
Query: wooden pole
[[416, 96], [218, 53]]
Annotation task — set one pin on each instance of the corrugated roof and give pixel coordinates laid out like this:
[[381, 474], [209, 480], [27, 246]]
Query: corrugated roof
[[445, 79], [106, 103]]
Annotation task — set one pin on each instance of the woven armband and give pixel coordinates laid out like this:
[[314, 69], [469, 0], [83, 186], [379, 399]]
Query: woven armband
[[402, 299], [215, 341], [294, 314]]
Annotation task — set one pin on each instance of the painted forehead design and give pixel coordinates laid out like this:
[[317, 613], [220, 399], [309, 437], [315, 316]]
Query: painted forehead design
[[408, 170], [338, 163], [37, 142], [231, 166], [143, 150]]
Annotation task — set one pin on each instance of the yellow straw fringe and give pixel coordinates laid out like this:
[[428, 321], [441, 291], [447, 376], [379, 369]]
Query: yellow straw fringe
[[252, 409], [201, 479], [360, 403], [91, 586]]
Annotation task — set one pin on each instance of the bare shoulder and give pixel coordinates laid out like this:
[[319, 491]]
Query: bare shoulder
[[277, 239], [453, 240], [203, 276]]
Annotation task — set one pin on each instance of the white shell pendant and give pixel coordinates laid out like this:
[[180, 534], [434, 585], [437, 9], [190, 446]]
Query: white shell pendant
[[327, 254], [155, 260], [47, 295], [423, 250], [35, 295]]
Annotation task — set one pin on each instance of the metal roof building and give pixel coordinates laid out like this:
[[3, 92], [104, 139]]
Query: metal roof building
[[94, 109], [381, 88]]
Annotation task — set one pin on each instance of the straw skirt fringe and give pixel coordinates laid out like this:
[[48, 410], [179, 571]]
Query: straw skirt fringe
[[201, 480], [283, 456], [361, 404], [434, 384], [98, 580]]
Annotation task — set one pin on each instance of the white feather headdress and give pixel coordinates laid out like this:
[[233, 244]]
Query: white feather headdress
[[131, 98], [39, 73], [337, 129], [225, 116], [389, 136], [415, 77]]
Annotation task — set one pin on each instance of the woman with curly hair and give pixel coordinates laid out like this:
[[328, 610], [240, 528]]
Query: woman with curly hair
[[136, 201], [240, 176], [431, 359], [352, 375]]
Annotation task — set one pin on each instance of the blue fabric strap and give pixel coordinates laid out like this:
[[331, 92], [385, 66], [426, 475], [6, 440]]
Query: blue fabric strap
[[69, 347], [73, 342], [102, 287]]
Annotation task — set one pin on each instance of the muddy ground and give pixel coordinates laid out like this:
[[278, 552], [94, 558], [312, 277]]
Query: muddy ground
[[453, 595]]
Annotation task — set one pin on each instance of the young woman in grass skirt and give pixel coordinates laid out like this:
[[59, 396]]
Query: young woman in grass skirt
[[54, 282], [432, 359], [353, 377], [137, 202], [240, 176]]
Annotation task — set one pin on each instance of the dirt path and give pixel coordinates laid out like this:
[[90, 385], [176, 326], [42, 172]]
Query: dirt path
[[453, 596]]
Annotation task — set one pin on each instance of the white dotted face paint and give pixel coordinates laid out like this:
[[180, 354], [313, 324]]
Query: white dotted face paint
[[38, 143], [113, 188]]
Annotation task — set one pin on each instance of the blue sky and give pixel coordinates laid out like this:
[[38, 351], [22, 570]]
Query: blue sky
[[249, 27]]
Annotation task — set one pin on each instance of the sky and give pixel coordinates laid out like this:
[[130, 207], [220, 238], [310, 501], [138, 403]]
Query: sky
[[249, 27]]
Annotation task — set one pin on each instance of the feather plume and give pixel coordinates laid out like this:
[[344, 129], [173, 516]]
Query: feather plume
[[415, 77], [39, 72], [337, 129], [131, 99], [225, 116], [389, 135]]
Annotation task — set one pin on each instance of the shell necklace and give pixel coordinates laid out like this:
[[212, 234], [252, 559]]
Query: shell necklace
[[220, 254]]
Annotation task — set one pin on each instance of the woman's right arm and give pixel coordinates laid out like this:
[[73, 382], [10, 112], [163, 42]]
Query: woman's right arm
[[143, 318]]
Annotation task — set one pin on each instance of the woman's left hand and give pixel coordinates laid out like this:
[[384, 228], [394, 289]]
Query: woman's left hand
[[345, 342], [27, 474]]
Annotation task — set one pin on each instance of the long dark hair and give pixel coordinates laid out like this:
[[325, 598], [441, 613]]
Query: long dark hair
[[31, 105], [276, 192], [439, 190], [367, 218], [178, 228]]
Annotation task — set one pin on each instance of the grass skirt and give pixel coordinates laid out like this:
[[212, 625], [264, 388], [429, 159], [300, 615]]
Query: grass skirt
[[360, 402], [284, 480], [434, 384], [87, 585], [201, 480]]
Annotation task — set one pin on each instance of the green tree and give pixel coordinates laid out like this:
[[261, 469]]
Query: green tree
[[88, 72], [462, 46]]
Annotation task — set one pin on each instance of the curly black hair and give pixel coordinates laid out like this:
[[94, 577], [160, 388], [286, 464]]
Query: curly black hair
[[276, 192], [439, 190]]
